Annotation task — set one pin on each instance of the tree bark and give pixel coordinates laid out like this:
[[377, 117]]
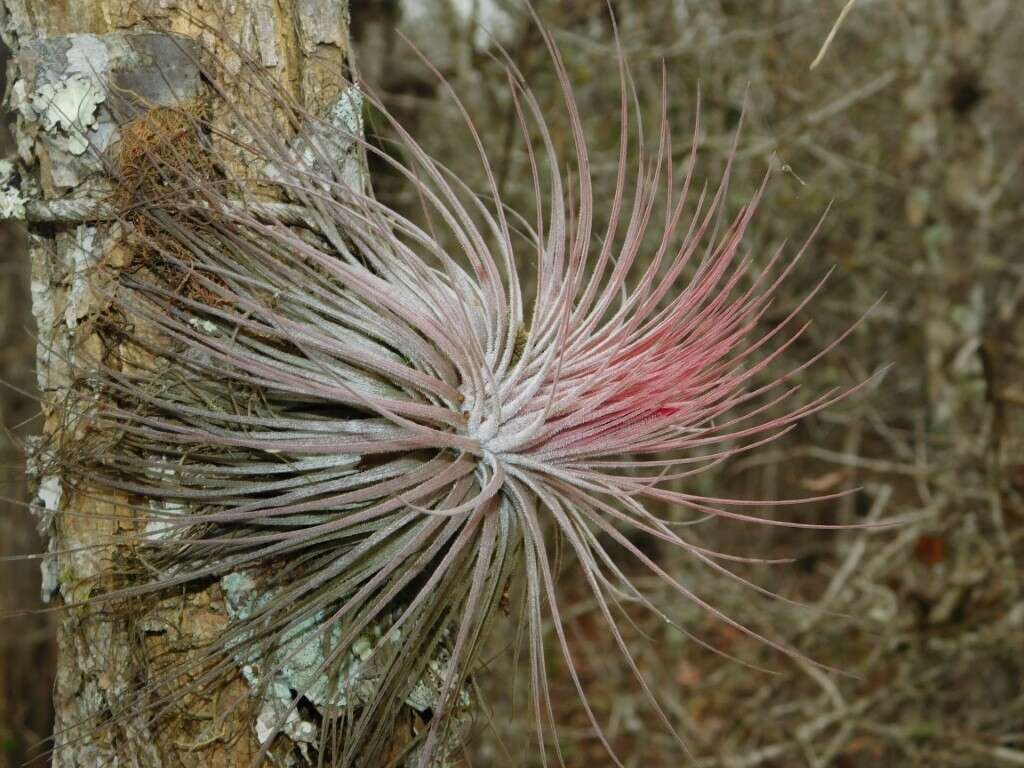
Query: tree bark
[[79, 53]]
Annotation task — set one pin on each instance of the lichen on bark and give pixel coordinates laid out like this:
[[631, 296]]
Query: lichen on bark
[[81, 70]]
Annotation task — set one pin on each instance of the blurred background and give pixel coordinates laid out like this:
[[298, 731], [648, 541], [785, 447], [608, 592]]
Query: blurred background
[[911, 127]]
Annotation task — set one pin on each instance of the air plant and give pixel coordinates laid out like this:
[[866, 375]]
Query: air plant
[[371, 422]]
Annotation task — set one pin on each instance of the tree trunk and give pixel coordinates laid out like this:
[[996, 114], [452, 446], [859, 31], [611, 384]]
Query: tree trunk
[[79, 54]]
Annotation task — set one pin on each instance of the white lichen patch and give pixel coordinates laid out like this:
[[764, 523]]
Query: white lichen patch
[[202, 324], [48, 356], [45, 507], [70, 106], [276, 708], [12, 202], [25, 140], [87, 56], [49, 492], [347, 111], [80, 296], [347, 114], [301, 655]]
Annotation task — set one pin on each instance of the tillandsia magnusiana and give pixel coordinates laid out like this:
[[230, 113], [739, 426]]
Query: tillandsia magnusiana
[[372, 423]]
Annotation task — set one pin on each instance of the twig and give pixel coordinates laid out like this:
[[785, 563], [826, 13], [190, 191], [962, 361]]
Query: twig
[[832, 33]]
